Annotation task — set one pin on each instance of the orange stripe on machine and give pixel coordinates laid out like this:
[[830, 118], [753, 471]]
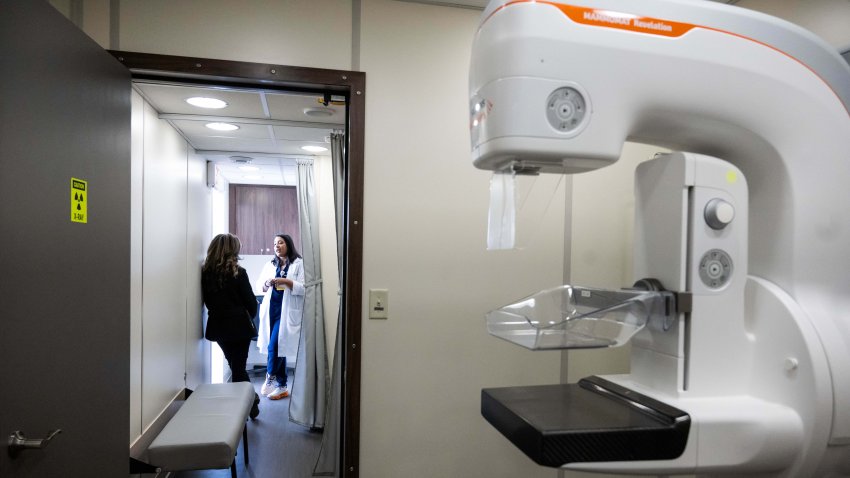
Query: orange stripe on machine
[[623, 21]]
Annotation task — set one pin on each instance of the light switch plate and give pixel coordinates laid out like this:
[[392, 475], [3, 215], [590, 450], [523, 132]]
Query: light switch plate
[[379, 303]]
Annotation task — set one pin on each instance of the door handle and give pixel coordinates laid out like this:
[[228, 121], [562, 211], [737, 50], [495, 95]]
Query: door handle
[[19, 442]]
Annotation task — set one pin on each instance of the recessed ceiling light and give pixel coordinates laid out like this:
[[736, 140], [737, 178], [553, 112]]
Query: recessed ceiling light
[[204, 102], [314, 149], [222, 126], [249, 168]]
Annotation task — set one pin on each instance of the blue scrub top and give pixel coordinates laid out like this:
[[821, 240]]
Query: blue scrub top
[[277, 297]]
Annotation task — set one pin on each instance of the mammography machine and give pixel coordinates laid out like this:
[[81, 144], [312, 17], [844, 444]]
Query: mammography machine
[[739, 318]]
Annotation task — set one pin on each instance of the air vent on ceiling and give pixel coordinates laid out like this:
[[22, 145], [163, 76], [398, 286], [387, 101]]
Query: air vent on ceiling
[[318, 112]]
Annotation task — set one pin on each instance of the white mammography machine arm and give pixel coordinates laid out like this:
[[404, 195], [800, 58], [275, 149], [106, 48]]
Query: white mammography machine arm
[[749, 218]]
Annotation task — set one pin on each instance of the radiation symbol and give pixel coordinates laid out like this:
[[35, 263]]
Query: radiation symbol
[[79, 207]]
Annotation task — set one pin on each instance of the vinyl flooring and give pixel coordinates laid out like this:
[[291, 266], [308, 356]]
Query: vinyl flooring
[[277, 448]]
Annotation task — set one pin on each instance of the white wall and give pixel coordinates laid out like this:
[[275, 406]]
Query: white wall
[[198, 236], [164, 288], [220, 202], [170, 227], [136, 186], [294, 32], [829, 19], [424, 240]]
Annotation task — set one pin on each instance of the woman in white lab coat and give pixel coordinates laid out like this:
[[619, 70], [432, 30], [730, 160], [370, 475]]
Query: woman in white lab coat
[[280, 314]]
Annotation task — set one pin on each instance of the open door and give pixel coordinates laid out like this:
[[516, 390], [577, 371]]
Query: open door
[[65, 242]]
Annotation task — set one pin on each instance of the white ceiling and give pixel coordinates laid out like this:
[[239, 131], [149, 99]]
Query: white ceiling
[[273, 126]]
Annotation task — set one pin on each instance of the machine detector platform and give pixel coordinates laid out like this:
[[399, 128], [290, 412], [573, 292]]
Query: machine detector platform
[[594, 420]]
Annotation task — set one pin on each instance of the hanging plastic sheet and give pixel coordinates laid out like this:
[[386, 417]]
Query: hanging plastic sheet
[[518, 206], [501, 222]]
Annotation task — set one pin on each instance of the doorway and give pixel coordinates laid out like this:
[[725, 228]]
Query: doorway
[[350, 86]]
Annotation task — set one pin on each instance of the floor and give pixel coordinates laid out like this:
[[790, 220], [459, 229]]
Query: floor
[[277, 448]]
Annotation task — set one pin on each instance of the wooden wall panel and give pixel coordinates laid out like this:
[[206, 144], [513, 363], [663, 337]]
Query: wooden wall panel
[[257, 213]]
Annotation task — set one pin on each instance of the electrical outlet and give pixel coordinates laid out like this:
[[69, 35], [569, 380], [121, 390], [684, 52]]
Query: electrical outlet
[[379, 304]]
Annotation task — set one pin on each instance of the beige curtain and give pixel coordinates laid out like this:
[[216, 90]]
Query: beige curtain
[[307, 405], [328, 462]]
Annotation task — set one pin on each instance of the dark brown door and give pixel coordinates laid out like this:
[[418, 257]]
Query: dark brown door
[[65, 247]]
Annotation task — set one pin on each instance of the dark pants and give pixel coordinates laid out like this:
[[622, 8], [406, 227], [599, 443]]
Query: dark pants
[[236, 353], [276, 366]]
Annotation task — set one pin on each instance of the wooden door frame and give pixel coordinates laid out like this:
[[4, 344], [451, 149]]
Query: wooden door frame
[[352, 85]]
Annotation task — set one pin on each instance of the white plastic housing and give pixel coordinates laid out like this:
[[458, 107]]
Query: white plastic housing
[[766, 96]]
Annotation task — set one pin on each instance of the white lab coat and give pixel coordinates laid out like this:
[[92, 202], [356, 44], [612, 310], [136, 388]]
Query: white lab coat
[[292, 311]]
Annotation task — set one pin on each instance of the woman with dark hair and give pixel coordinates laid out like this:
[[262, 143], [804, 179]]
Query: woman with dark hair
[[280, 314], [231, 303]]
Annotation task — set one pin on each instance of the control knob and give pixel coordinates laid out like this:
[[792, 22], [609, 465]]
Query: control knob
[[718, 213]]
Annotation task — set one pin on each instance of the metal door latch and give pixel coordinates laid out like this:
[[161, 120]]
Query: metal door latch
[[19, 442]]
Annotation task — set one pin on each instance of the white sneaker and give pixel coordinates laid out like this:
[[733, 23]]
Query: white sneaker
[[269, 386], [278, 393]]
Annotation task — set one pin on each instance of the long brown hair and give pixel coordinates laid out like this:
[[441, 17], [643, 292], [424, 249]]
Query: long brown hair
[[291, 252], [223, 257]]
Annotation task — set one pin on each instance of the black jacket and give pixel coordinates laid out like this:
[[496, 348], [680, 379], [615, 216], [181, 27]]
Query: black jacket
[[231, 307]]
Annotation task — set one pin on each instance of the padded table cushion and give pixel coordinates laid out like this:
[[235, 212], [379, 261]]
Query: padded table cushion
[[205, 431]]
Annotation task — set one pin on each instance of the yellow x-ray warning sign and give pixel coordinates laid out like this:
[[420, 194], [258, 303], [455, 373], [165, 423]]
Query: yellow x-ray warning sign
[[79, 199]]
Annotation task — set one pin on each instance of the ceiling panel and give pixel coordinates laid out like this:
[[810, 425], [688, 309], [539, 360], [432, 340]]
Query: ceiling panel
[[167, 98], [273, 126], [198, 129], [235, 146], [261, 171], [305, 108], [306, 135]]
